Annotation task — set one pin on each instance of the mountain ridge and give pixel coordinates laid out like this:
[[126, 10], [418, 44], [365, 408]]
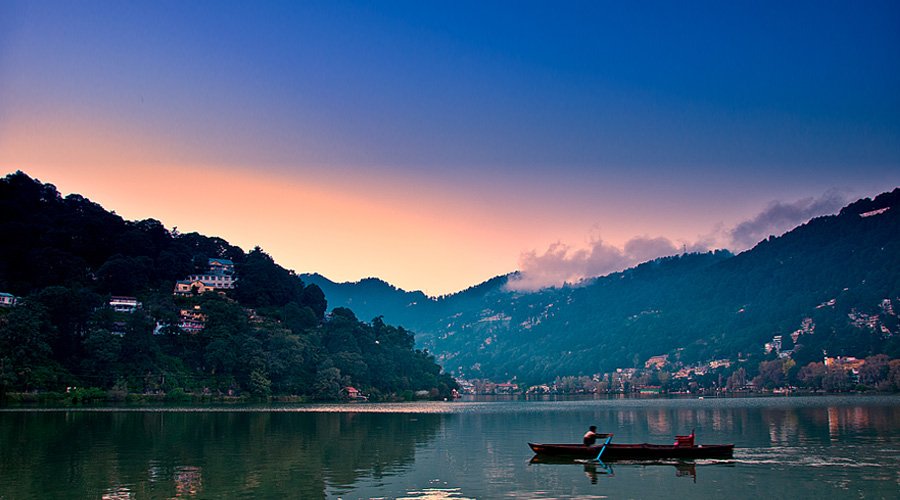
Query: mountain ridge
[[694, 307]]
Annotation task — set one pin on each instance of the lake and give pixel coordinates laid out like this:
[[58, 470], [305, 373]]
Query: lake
[[786, 447]]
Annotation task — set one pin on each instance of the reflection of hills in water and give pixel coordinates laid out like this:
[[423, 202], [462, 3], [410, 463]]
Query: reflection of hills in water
[[163, 454], [799, 447]]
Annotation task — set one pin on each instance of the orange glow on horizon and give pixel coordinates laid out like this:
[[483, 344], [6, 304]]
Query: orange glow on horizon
[[413, 230], [414, 234], [305, 225]]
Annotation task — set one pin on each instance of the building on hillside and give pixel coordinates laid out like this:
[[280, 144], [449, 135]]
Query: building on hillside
[[214, 281], [846, 363], [506, 388], [124, 304], [657, 361], [221, 266], [218, 276], [466, 387], [7, 299], [353, 393], [539, 389], [774, 345], [191, 287], [192, 320], [255, 318], [719, 363]]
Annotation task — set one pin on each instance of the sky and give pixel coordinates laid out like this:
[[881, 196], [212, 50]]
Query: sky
[[438, 144]]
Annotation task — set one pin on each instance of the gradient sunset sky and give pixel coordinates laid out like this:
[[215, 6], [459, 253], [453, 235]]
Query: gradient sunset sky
[[438, 144]]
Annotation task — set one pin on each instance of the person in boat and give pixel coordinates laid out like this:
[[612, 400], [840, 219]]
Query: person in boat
[[590, 437]]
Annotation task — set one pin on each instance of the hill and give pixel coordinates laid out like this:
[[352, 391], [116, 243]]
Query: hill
[[131, 306], [829, 285]]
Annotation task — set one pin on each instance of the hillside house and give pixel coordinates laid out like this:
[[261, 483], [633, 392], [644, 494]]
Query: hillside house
[[657, 361], [214, 281], [847, 363], [189, 287], [774, 345], [218, 276], [124, 304], [221, 266], [506, 388], [192, 320], [353, 393], [7, 299]]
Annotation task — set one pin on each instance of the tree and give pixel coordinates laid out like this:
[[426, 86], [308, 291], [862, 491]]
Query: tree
[[289, 357], [812, 375], [260, 385], [771, 374], [835, 379], [737, 380], [25, 349], [328, 384], [101, 365], [314, 298], [875, 370], [892, 382]]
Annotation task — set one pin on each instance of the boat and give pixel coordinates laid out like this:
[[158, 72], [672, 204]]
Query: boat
[[683, 448]]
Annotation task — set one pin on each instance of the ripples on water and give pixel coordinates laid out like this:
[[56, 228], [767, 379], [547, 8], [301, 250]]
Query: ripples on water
[[508, 406], [785, 446]]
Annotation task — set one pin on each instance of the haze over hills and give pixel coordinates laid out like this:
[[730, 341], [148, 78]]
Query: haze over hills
[[829, 285]]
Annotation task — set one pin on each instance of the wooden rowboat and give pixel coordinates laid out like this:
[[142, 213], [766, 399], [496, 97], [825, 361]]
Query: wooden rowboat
[[683, 449]]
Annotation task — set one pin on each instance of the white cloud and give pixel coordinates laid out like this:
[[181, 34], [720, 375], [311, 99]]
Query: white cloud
[[780, 217], [562, 264]]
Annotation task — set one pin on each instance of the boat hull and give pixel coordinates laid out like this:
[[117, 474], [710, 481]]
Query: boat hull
[[643, 451]]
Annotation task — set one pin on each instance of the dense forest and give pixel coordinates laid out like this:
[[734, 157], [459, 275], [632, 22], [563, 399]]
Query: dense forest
[[63, 258], [829, 286]]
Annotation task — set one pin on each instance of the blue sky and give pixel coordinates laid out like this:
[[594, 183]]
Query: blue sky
[[567, 122]]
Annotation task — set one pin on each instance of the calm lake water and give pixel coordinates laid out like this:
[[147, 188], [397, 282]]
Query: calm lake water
[[798, 447]]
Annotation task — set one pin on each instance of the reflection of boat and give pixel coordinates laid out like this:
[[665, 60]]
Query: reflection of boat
[[684, 448], [592, 468], [683, 468]]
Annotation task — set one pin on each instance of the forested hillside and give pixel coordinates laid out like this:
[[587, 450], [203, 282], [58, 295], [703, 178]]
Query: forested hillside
[[832, 284], [65, 258]]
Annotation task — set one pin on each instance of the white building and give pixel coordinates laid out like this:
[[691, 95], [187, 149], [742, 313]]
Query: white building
[[124, 304], [219, 276]]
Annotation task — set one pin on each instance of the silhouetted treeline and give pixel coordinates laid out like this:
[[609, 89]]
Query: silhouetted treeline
[[65, 256]]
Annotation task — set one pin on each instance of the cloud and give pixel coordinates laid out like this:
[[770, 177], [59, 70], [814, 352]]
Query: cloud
[[562, 264], [780, 217]]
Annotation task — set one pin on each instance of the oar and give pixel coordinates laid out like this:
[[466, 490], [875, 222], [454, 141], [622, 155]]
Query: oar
[[603, 448]]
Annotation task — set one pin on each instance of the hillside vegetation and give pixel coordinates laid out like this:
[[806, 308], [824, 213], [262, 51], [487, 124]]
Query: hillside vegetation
[[65, 257], [829, 286]]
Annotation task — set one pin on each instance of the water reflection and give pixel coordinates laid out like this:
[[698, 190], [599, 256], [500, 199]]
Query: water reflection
[[183, 455], [117, 493], [800, 447], [594, 469], [434, 494]]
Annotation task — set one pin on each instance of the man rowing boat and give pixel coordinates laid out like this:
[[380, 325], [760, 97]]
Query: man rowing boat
[[590, 437]]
